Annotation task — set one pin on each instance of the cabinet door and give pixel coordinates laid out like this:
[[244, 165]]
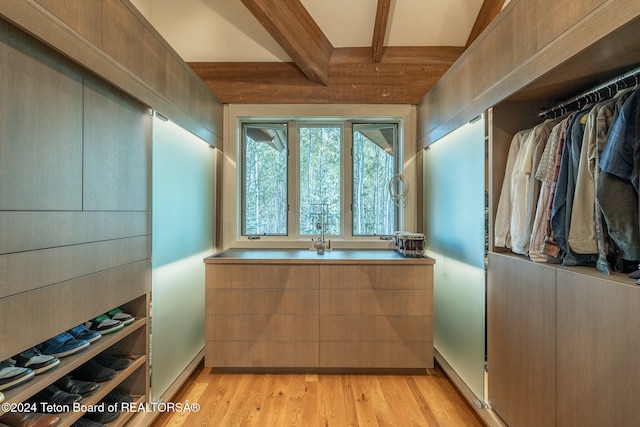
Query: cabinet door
[[598, 347], [521, 341], [376, 316]]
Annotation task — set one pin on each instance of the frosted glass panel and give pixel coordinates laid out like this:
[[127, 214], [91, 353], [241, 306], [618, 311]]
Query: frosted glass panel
[[183, 235], [454, 224]]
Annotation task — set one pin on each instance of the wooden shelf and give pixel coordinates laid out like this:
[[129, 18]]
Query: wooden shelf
[[68, 364]]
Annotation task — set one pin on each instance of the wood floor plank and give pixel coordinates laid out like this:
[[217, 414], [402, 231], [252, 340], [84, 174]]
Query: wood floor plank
[[320, 400], [403, 404], [365, 406]]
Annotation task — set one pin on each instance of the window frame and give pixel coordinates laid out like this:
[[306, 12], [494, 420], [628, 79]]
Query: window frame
[[404, 116]]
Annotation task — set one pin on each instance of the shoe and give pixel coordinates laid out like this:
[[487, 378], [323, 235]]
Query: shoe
[[56, 400], [29, 419], [83, 388], [81, 332], [35, 361], [104, 324], [12, 376], [94, 372], [116, 363], [117, 397], [62, 345], [1, 397], [118, 314], [85, 422], [103, 417]]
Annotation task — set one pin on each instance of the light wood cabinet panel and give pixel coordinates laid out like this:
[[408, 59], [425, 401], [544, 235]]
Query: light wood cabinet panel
[[117, 151], [262, 301], [398, 328], [376, 355], [261, 276], [375, 302], [554, 18], [85, 16], [64, 263], [261, 354], [40, 131], [521, 340], [598, 371], [28, 231], [262, 327]]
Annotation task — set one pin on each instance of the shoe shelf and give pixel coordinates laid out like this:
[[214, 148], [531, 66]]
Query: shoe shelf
[[70, 363], [68, 418], [126, 416]]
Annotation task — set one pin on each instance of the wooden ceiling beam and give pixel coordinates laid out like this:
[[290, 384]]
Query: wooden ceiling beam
[[380, 29], [403, 76], [488, 11], [293, 28]]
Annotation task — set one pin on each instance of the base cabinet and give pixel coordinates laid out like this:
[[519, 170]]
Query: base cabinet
[[561, 345], [328, 314], [521, 341]]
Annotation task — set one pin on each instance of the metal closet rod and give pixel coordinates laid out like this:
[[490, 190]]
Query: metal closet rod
[[629, 79]]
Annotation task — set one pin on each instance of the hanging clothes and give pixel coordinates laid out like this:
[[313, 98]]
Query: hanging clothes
[[618, 181]]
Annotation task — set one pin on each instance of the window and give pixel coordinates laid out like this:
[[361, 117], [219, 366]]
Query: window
[[320, 178], [332, 175], [264, 179], [375, 163]]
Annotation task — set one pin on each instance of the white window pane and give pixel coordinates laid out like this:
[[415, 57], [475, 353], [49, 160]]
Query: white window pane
[[320, 176], [264, 175]]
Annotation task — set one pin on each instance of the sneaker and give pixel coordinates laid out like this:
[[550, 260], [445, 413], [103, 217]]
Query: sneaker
[[12, 376], [35, 361], [61, 345], [73, 386], [94, 372], [118, 314], [56, 400], [114, 362], [81, 332], [104, 324]]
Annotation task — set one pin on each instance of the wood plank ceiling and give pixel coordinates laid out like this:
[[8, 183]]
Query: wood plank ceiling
[[323, 74]]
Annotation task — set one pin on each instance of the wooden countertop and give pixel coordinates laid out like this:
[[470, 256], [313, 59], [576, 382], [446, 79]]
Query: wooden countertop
[[305, 256]]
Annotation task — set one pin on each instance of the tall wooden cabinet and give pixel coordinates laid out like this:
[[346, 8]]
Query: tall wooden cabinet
[[74, 214], [558, 342]]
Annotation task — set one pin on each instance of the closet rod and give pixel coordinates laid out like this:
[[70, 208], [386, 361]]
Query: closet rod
[[629, 79]]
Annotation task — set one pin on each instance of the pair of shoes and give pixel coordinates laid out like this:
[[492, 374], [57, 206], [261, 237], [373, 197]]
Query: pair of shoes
[[118, 314], [31, 419], [117, 363], [70, 385], [35, 361], [117, 398], [103, 324], [111, 321], [93, 371], [81, 332], [54, 400], [102, 417], [12, 376], [62, 345], [85, 422]]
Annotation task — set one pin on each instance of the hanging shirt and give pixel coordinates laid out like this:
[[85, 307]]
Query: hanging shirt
[[502, 226]]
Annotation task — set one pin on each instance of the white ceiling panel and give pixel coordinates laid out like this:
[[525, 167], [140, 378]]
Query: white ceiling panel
[[346, 23], [431, 22], [211, 30]]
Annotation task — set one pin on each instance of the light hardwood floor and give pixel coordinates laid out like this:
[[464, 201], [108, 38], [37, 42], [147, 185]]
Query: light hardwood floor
[[310, 400]]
